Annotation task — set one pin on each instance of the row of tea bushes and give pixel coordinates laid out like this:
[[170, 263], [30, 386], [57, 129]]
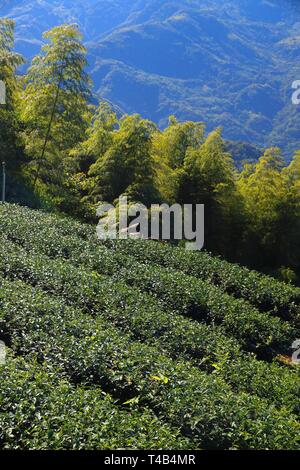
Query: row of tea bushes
[[13, 216], [263, 291], [139, 315], [202, 406], [143, 320], [256, 331], [188, 295], [41, 410]]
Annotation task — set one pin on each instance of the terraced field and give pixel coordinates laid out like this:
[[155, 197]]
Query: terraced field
[[139, 345]]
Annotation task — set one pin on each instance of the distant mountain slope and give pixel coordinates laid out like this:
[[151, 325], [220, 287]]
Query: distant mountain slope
[[229, 63]]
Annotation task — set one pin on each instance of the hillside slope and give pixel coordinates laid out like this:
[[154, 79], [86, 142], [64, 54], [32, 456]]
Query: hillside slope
[[123, 345], [229, 64]]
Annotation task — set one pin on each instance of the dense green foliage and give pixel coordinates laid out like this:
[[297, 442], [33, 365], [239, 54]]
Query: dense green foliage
[[9, 126], [71, 418], [107, 348], [139, 344], [74, 155], [189, 296]]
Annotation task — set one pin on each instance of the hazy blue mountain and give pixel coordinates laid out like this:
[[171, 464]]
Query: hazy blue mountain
[[227, 63]]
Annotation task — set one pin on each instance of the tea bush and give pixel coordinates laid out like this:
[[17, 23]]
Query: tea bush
[[263, 291], [20, 305], [203, 406], [117, 331], [189, 296], [41, 410]]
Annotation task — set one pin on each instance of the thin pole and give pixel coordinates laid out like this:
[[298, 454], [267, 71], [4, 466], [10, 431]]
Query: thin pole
[[3, 181]]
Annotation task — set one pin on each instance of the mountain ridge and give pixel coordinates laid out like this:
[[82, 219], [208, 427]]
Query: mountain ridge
[[230, 65]]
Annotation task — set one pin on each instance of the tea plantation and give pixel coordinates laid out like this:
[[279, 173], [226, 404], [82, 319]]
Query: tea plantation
[[139, 345]]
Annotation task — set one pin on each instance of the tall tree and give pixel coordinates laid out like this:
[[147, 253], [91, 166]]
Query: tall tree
[[208, 177], [264, 190], [99, 137], [9, 61], [55, 106], [170, 148], [291, 215], [127, 167]]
